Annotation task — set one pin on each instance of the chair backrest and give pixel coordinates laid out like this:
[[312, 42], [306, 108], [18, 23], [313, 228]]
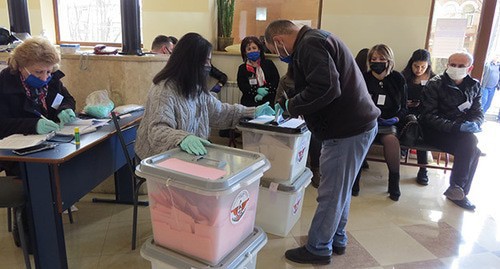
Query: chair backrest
[[124, 145]]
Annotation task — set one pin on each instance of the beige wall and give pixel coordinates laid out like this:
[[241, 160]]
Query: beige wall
[[400, 24], [4, 15], [176, 18]]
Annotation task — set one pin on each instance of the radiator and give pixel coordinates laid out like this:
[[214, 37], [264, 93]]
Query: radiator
[[230, 93]]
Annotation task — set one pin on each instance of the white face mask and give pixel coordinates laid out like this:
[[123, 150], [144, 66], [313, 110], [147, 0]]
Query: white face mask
[[456, 73]]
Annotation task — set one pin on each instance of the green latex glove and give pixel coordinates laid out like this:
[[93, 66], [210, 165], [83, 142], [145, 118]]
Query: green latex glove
[[258, 98], [263, 91], [278, 109], [44, 126], [194, 145], [264, 109], [66, 116]]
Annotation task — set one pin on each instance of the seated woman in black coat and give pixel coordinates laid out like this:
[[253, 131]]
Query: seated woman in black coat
[[388, 90], [258, 77]]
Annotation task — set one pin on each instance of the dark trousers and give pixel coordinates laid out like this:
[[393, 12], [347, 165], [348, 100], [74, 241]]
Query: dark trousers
[[314, 152], [421, 157], [463, 147]]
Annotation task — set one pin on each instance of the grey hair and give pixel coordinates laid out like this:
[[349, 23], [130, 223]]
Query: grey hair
[[464, 53], [279, 27]]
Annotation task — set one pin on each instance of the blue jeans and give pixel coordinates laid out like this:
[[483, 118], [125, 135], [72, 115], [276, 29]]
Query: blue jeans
[[340, 161], [487, 97]]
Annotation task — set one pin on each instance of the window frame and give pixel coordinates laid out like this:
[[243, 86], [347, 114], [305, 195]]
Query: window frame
[[83, 43]]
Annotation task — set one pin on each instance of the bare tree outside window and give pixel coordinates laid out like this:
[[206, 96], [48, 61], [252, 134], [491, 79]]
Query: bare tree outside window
[[91, 21]]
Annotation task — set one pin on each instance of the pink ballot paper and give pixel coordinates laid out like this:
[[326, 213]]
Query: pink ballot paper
[[192, 169]]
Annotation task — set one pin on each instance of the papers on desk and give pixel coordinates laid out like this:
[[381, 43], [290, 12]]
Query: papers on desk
[[17, 141], [85, 126]]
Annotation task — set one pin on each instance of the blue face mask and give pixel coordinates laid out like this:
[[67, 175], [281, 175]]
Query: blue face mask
[[286, 59], [35, 82], [253, 56]]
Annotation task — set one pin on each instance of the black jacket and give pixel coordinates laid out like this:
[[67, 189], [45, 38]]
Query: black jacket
[[250, 91], [441, 98], [17, 114], [330, 91], [393, 86]]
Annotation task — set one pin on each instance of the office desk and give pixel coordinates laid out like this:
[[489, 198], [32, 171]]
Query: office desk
[[55, 179]]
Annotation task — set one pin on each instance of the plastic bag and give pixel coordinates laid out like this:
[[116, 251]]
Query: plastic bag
[[98, 104]]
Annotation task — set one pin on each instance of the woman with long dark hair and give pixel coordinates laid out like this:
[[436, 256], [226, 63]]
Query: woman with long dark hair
[[180, 110], [417, 72]]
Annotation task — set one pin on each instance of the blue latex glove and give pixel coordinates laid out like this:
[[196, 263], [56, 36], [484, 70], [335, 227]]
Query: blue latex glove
[[258, 98], [470, 127], [264, 109], [388, 122], [194, 145], [66, 116], [263, 91], [45, 126], [216, 88]]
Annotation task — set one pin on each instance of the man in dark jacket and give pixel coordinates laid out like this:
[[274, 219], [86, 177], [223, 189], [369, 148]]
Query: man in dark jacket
[[331, 94], [451, 114]]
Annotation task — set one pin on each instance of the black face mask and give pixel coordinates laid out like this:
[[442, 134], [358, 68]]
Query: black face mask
[[378, 67]]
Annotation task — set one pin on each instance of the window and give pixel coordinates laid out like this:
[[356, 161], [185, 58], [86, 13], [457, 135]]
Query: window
[[454, 27], [251, 17], [88, 21]]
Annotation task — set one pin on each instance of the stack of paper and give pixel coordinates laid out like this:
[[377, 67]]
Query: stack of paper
[[17, 141], [85, 126]]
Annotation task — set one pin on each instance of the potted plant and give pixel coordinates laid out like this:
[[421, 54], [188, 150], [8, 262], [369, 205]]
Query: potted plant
[[225, 11]]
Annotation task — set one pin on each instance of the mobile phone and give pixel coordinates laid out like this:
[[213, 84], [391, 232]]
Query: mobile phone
[[35, 148]]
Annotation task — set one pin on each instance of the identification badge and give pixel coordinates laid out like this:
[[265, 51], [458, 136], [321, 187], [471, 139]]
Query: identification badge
[[381, 99], [57, 101], [252, 81], [464, 106]]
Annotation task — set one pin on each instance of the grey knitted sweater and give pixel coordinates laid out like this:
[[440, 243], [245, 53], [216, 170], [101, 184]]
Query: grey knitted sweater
[[169, 117]]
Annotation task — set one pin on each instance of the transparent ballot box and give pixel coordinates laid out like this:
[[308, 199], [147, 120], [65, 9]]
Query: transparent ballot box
[[286, 147], [244, 256], [280, 205], [203, 207]]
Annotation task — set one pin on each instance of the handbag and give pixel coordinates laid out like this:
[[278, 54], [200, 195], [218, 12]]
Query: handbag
[[411, 132]]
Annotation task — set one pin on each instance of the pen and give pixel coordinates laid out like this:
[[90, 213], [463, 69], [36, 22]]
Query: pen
[[40, 115]]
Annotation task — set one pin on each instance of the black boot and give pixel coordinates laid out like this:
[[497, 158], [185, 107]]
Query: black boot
[[394, 192], [422, 177], [355, 187]]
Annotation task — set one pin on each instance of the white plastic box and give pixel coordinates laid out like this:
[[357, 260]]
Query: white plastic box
[[243, 256], [69, 48], [280, 205], [203, 207], [287, 152]]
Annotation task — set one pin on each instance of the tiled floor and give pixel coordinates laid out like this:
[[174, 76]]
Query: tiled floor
[[422, 230]]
